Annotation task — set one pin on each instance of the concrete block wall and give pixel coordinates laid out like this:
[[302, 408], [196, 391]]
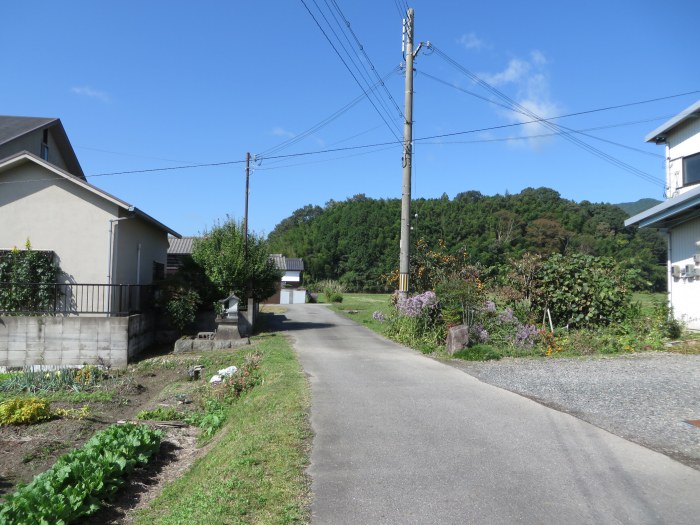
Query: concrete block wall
[[67, 341]]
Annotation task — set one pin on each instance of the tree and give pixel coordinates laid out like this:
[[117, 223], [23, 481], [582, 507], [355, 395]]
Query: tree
[[221, 253]]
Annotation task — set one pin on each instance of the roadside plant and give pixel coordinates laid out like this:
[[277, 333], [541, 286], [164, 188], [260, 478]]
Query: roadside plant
[[332, 290], [583, 290], [221, 252], [416, 322], [181, 307], [18, 268]]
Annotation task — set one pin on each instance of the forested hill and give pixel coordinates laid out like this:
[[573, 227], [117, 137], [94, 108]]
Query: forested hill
[[633, 208], [357, 241]]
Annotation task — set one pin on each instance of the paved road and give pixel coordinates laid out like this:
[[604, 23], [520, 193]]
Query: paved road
[[403, 439]]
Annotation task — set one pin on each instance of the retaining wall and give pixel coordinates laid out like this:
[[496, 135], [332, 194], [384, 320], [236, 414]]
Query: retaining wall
[[66, 341]]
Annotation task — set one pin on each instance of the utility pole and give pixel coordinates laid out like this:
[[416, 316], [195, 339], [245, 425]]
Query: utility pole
[[407, 154], [250, 313], [245, 220]]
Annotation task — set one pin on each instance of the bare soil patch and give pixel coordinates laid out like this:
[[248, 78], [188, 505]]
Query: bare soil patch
[[27, 450]]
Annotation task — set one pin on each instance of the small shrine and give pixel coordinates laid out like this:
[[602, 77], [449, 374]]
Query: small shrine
[[227, 320]]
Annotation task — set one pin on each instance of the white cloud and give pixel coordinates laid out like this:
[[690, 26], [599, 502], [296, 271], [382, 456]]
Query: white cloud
[[530, 80], [281, 132], [87, 91], [471, 41]]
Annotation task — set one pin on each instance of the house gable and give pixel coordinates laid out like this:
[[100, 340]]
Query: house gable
[[59, 212], [44, 137]]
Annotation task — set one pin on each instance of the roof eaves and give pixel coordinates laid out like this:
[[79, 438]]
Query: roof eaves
[[659, 134], [673, 207]]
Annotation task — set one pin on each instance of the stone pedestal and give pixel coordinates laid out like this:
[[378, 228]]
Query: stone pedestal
[[227, 328]]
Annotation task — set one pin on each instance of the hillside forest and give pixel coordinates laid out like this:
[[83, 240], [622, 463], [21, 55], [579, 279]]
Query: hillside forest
[[356, 241]]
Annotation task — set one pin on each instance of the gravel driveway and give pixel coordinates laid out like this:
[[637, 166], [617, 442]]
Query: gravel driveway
[[646, 398]]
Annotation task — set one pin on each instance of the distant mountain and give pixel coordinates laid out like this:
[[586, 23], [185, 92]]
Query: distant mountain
[[633, 208]]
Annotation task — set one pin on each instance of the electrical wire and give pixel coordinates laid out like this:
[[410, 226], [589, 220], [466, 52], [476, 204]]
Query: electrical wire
[[364, 53], [323, 123], [349, 70], [556, 128]]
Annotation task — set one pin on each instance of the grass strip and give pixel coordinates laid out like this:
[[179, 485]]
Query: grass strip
[[254, 470]]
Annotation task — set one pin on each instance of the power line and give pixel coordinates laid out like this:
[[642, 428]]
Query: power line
[[399, 142], [323, 123], [558, 129], [364, 53], [349, 70]]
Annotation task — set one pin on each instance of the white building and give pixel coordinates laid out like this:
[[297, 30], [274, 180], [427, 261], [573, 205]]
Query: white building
[[679, 215]]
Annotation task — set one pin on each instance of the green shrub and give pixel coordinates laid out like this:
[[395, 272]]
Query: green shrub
[[332, 291], [181, 307], [27, 410], [27, 266], [79, 481], [584, 291]]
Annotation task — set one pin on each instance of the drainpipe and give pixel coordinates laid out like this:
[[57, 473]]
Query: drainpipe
[[112, 250]]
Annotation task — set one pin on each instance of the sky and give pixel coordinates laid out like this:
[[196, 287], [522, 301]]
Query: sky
[[143, 86]]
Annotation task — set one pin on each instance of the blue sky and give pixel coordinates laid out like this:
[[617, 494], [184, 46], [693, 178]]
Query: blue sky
[[150, 85]]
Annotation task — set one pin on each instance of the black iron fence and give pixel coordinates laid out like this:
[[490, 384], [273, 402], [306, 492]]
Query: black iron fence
[[74, 299]]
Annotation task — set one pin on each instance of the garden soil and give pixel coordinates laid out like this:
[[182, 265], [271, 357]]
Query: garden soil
[[28, 450]]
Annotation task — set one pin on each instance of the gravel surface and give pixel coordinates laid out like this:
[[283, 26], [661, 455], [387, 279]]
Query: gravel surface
[[646, 398]]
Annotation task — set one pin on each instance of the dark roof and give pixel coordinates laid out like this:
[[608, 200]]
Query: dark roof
[[287, 263], [669, 213], [12, 128], [181, 246], [660, 133]]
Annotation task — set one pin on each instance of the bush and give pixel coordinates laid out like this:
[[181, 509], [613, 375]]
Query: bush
[[24, 410], [181, 307], [416, 322], [332, 291], [23, 267], [584, 291]]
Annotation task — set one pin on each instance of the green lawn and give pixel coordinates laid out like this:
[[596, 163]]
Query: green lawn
[[255, 469], [361, 306]]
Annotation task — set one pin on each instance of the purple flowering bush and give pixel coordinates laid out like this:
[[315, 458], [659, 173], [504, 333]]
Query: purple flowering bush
[[416, 322]]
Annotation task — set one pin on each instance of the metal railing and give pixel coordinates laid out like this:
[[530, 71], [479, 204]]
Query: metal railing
[[75, 299]]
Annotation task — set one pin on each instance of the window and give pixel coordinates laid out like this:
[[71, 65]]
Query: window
[[691, 169], [45, 145]]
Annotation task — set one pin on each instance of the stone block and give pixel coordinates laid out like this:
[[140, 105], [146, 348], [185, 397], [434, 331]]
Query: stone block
[[457, 338], [183, 345]]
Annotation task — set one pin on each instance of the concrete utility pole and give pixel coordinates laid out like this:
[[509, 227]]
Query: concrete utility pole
[[245, 220], [407, 154]]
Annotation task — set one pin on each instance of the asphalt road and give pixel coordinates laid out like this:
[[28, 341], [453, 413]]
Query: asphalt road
[[404, 439]]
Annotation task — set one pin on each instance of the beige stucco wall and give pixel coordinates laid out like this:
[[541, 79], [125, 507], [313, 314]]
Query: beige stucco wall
[[32, 143], [59, 215], [153, 243], [56, 214]]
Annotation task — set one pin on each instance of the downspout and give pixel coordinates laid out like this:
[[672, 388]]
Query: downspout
[[138, 264], [112, 252], [669, 264]]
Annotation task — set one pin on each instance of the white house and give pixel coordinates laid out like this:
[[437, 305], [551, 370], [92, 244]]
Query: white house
[[679, 215], [288, 289]]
